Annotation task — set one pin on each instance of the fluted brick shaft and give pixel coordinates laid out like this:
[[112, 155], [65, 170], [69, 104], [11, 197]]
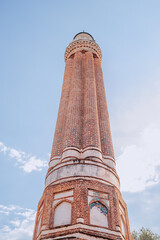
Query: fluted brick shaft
[[73, 124], [104, 126], [91, 136], [83, 119], [59, 131]]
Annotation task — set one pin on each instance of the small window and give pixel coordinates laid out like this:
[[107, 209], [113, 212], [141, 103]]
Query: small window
[[98, 214], [62, 214]]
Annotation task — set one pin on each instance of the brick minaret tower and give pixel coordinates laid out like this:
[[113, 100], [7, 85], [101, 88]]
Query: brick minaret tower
[[82, 198]]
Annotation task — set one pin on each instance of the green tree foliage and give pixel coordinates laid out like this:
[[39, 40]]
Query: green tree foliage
[[144, 234]]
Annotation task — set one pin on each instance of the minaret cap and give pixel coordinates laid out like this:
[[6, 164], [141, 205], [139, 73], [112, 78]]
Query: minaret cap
[[83, 35], [83, 41]]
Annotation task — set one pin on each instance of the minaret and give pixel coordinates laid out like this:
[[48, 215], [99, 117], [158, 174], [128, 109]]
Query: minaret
[[82, 198]]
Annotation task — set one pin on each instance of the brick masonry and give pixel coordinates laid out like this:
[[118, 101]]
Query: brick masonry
[[82, 123], [80, 207], [83, 116]]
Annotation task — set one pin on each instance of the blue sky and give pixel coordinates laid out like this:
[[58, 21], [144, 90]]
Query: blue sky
[[34, 35]]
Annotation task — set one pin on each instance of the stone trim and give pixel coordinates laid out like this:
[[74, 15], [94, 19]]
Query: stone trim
[[80, 45], [89, 168], [82, 227]]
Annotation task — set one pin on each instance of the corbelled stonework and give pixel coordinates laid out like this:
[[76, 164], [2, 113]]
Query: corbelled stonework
[[82, 198], [84, 44]]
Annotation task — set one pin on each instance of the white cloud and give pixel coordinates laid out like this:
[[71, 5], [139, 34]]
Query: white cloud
[[6, 228], [34, 164], [27, 213], [6, 210], [16, 223], [3, 148], [138, 164], [27, 162], [138, 142], [13, 153], [19, 225]]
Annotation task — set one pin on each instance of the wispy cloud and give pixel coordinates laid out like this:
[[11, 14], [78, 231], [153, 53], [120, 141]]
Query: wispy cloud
[[25, 161], [138, 165], [6, 210], [138, 161], [19, 224]]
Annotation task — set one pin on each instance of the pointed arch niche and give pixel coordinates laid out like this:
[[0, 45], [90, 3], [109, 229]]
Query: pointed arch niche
[[39, 217], [98, 214], [123, 226], [122, 219], [62, 214]]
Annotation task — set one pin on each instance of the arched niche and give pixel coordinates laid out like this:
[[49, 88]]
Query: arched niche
[[123, 226], [39, 218], [62, 214], [98, 214], [39, 225]]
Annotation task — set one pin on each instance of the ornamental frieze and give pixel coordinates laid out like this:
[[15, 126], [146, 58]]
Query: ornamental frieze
[[83, 45]]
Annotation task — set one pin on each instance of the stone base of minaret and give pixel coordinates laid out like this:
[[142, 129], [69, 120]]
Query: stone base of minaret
[[81, 208]]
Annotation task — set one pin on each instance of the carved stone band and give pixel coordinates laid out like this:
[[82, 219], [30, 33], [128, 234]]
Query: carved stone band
[[79, 45]]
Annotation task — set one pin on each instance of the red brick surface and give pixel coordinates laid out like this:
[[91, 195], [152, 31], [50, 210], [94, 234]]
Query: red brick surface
[[59, 130], [83, 119], [91, 136], [73, 123], [80, 207], [82, 122], [104, 126]]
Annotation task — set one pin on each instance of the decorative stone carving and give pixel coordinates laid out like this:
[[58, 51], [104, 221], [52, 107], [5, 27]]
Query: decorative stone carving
[[81, 45]]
